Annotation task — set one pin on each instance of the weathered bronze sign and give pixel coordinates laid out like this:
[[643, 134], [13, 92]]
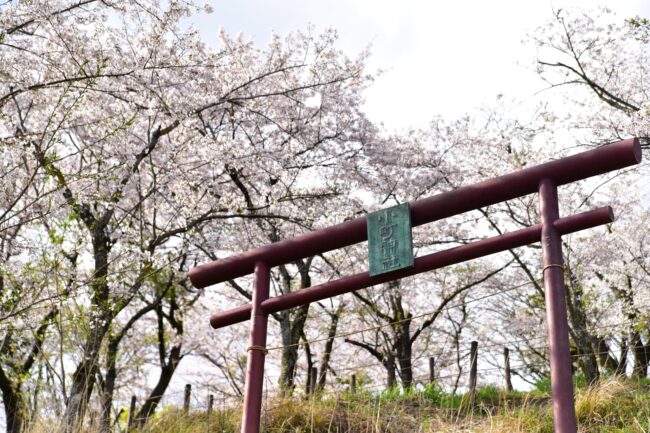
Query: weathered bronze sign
[[390, 244]]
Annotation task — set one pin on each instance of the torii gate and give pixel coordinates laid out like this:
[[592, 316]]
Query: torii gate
[[544, 179]]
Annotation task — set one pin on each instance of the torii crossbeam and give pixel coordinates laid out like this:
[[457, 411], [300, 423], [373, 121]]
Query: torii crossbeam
[[543, 178]]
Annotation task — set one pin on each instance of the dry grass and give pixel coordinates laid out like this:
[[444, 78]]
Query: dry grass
[[613, 405]]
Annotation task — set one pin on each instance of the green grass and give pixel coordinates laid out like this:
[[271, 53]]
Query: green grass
[[614, 405]]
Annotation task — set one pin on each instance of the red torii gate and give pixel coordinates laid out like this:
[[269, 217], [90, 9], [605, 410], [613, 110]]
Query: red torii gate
[[544, 179]]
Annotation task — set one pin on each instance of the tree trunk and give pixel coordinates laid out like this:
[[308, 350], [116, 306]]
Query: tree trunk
[[108, 389], [404, 351], [607, 361], [587, 359], [82, 387], [15, 403], [634, 344], [83, 377], [641, 356], [391, 377], [292, 328], [15, 406], [289, 355], [329, 344], [386, 358], [401, 337], [165, 377], [581, 337], [291, 331], [310, 364]]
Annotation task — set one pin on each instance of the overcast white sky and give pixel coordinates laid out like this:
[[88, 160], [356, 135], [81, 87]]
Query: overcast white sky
[[441, 57]]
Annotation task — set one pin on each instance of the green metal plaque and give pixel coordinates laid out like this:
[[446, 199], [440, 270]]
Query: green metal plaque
[[390, 244]]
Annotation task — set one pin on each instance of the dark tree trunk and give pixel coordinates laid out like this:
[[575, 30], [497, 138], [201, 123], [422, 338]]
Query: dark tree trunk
[[582, 338], [329, 344], [14, 403], [291, 331], [387, 359], [11, 384], [108, 389], [289, 355], [395, 352], [641, 356], [165, 377], [606, 360], [587, 359], [168, 365], [635, 343], [401, 338], [310, 364], [292, 325], [404, 351], [15, 406], [458, 326], [391, 377], [83, 377]]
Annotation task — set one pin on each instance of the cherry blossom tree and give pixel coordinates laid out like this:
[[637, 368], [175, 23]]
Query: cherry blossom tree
[[597, 64], [144, 134]]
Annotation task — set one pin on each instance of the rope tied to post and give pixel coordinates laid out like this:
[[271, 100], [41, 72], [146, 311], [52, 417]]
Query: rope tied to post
[[552, 266], [262, 349]]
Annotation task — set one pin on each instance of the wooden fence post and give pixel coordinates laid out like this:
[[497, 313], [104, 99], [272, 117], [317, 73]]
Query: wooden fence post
[[131, 420], [506, 360], [210, 404], [432, 369], [186, 399], [222, 416], [473, 364], [353, 382]]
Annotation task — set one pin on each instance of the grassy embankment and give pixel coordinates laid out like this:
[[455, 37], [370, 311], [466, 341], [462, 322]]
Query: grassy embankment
[[614, 405]]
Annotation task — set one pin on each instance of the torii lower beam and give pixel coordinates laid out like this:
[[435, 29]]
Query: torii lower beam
[[437, 260]]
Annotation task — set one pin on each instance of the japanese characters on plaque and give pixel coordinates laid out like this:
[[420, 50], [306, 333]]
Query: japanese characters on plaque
[[390, 243]]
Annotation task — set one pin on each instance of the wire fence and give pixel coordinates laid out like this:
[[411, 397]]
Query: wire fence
[[453, 375], [219, 409], [399, 321]]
